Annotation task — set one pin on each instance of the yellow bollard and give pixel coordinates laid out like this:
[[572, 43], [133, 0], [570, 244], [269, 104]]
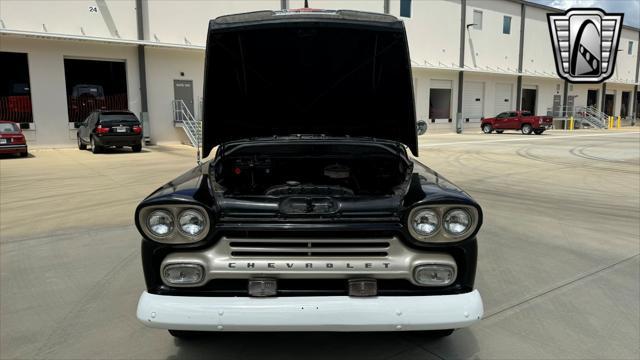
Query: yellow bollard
[[619, 121], [571, 123], [610, 122]]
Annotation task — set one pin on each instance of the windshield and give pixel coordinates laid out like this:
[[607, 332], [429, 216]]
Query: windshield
[[8, 128], [122, 118], [526, 113], [88, 90]]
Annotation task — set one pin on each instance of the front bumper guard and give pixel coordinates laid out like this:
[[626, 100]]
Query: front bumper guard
[[317, 313]]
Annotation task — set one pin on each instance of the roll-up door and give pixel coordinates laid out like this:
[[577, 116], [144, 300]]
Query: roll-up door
[[440, 99], [473, 100], [503, 99]]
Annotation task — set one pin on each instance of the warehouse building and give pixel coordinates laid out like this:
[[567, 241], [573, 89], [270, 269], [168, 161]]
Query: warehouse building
[[470, 58]]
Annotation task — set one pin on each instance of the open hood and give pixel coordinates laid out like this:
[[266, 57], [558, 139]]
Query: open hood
[[334, 73]]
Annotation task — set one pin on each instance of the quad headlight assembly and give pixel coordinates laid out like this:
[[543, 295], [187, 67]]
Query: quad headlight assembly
[[174, 224], [442, 223]]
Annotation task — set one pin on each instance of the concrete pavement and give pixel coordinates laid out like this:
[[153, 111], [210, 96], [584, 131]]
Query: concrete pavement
[[559, 266]]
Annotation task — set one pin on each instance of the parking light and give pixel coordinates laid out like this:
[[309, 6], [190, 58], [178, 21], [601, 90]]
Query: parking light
[[183, 274], [434, 275]]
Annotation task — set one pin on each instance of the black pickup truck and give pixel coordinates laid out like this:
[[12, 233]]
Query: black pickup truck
[[312, 215]]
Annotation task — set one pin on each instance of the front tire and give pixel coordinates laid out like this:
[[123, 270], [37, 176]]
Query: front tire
[[186, 335], [526, 129], [538, 132], [487, 128], [94, 147], [81, 145]]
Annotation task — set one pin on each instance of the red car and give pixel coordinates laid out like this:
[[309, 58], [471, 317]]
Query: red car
[[12, 141], [523, 121]]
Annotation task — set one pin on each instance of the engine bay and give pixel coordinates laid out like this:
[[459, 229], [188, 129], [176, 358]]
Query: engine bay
[[315, 170]]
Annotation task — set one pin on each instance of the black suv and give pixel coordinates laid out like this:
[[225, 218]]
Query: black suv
[[110, 128], [312, 202]]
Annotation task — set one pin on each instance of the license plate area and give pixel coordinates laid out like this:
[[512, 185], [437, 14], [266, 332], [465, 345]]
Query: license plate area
[[121, 129], [3, 141]]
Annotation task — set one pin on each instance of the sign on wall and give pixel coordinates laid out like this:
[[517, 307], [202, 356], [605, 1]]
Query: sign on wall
[[585, 43]]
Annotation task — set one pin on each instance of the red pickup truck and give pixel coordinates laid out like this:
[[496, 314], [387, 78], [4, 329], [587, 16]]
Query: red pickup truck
[[524, 121]]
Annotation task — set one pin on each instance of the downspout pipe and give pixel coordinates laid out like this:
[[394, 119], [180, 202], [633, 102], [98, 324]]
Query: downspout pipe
[[523, 16], [142, 71], [463, 28], [604, 97]]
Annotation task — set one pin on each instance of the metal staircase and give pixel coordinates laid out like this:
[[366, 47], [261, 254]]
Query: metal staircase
[[585, 115], [593, 116], [183, 117]]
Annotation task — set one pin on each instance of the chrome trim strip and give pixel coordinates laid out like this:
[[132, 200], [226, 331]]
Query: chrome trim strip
[[399, 262]]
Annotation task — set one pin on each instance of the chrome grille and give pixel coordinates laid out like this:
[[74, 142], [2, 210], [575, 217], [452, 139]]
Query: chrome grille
[[309, 247]]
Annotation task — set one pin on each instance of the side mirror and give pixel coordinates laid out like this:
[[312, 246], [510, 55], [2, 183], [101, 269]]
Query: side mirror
[[421, 126]]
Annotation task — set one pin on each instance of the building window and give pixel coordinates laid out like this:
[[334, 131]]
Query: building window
[[477, 19], [405, 8], [506, 25], [630, 48]]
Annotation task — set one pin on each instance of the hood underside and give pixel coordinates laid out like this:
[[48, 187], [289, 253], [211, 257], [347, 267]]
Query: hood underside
[[342, 73]]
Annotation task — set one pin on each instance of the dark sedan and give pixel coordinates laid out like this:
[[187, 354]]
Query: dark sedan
[[12, 141], [107, 128]]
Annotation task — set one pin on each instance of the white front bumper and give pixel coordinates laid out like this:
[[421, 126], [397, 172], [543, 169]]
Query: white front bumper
[[317, 313]]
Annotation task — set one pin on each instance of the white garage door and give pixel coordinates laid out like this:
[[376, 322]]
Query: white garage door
[[473, 100], [503, 98]]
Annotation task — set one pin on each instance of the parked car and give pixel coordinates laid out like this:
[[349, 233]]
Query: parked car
[[107, 128], [313, 205], [84, 99], [523, 121], [12, 140]]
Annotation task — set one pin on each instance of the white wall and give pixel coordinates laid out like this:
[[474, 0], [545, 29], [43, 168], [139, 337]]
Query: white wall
[[164, 66], [433, 36], [617, 89], [48, 87], [361, 5], [547, 88], [537, 52], [625, 70], [432, 30], [114, 18], [489, 47], [187, 21], [490, 82], [422, 85], [581, 90]]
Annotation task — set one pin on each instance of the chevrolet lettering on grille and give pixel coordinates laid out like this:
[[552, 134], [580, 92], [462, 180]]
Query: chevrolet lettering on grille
[[252, 266]]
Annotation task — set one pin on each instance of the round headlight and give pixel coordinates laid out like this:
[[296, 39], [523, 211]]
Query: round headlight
[[160, 223], [191, 222], [457, 221], [425, 222]]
